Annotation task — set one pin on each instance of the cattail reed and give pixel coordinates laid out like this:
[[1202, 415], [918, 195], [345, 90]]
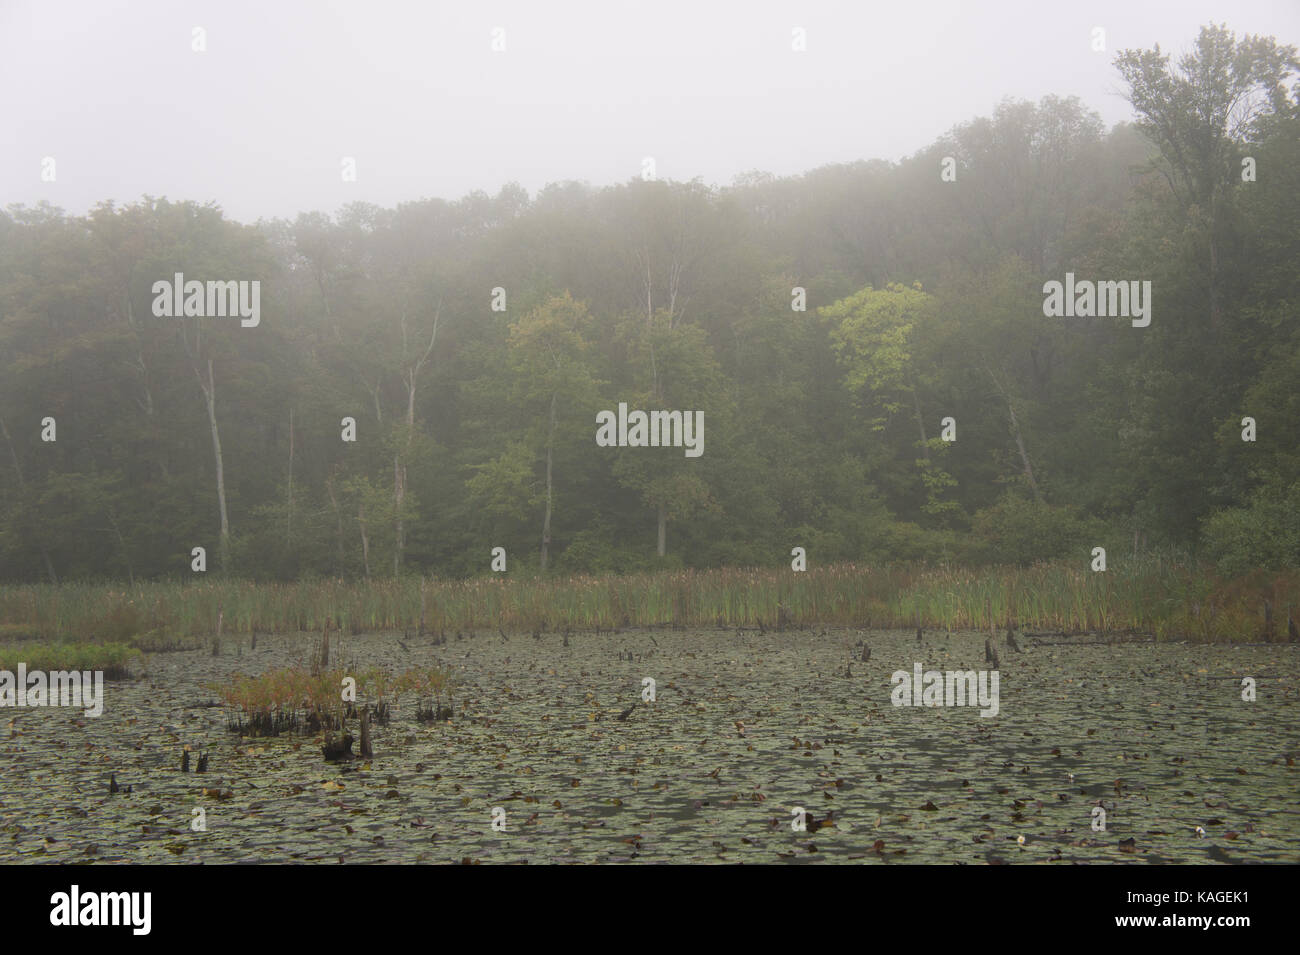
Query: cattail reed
[[1148, 595]]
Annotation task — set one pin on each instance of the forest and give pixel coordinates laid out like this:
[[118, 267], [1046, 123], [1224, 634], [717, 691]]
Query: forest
[[867, 345]]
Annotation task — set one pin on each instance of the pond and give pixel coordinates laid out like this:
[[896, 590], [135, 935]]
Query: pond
[[745, 729]]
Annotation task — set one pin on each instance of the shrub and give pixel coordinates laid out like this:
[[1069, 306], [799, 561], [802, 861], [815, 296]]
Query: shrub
[[1262, 535], [1020, 531], [908, 542], [595, 551]]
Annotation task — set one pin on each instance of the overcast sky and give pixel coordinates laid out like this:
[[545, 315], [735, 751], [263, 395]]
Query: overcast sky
[[261, 121]]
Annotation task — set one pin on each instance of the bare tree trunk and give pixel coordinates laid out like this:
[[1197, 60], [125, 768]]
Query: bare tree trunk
[[22, 485], [289, 521], [1215, 313], [399, 495], [210, 394], [654, 368], [546, 521], [365, 541], [121, 542], [410, 404], [1015, 431], [423, 604], [147, 404], [662, 541], [649, 285], [1213, 236], [920, 423], [649, 319], [319, 273], [1024, 457], [338, 514], [399, 469], [674, 284]]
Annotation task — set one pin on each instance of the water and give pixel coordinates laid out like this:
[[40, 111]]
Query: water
[[744, 729]]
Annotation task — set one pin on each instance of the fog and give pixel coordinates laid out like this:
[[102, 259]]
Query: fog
[[261, 120]]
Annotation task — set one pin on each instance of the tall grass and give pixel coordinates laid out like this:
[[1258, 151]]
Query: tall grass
[[1153, 596]]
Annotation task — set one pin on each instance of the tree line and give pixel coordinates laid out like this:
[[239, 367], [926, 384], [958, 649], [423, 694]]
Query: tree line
[[838, 329]]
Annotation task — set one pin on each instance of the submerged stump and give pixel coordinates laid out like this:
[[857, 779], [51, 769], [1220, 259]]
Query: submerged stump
[[367, 752], [338, 750]]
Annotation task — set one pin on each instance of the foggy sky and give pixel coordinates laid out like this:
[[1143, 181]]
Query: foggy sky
[[584, 90]]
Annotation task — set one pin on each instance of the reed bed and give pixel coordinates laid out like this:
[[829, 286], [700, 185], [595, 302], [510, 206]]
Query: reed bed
[[1169, 600]]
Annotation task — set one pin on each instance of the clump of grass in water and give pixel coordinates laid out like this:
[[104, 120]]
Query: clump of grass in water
[[113, 659], [282, 700], [294, 698], [428, 684]]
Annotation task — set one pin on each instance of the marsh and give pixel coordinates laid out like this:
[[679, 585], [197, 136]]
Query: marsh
[[744, 727]]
